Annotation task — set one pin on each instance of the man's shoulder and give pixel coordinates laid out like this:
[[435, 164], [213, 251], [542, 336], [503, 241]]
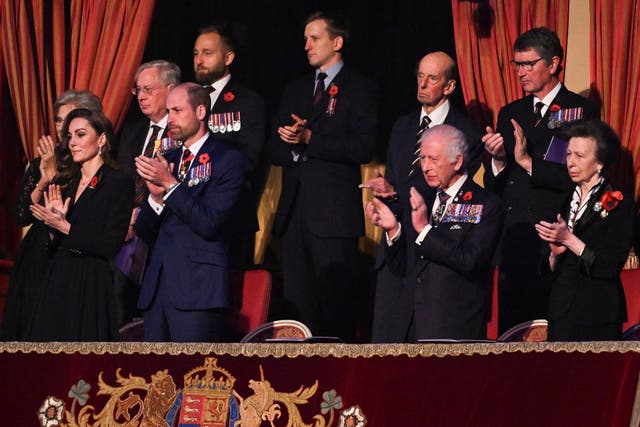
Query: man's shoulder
[[567, 98], [240, 90], [461, 120]]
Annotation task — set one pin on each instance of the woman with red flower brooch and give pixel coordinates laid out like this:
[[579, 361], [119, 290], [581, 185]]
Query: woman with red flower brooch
[[589, 243], [87, 222]]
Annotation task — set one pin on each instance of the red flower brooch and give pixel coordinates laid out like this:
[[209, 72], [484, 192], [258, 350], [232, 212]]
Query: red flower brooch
[[467, 196], [609, 201], [229, 96], [554, 108], [333, 90], [203, 158], [94, 182]]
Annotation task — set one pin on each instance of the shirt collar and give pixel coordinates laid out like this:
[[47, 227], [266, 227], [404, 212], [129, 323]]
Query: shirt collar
[[453, 190], [162, 123], [331, 72], [438, 115], [218, 86], [196, 146], [548, 98]]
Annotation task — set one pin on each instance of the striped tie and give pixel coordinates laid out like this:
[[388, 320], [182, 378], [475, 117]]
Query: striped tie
[[187, 156], [319, 91], [141, 188], [538, 113], [415, 164]]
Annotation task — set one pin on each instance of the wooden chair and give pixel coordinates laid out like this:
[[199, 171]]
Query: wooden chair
[[251, 292], [529, 331], [286, 330]]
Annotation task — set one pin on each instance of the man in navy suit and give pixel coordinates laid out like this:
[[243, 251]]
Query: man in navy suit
[[455, 236], [152, 83], [531, 187], [237, 118], [435, 83], [192, 193], [325, 129]]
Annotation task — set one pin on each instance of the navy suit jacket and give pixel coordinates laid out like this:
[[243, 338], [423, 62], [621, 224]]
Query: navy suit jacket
[[451, 268], [250, 140], [529, 199], [327, 174], [189, 239]]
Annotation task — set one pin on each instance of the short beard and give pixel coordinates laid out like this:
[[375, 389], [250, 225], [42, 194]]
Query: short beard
[[207, 78]]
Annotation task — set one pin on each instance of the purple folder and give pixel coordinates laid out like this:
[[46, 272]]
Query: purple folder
[[557, 151]]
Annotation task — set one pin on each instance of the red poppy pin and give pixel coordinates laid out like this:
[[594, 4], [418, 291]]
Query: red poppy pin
[[467, 196], [333, 90], [203, 158], [608, 202], [554, 108], [229, 96], [94, 182]]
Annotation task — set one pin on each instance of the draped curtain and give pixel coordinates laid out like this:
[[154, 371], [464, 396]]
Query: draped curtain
[[485, 32], [615, 76], [51, 46]]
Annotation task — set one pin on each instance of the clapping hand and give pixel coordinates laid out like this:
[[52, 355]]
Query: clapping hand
[[419, 217], [381, 216], [555, 233], [46, 150], [380, 186], [296, 132], [54, 211], [520, 149]]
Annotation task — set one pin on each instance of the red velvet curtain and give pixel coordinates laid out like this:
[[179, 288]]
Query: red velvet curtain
[[101, 53], [484, 33], [615, 76]]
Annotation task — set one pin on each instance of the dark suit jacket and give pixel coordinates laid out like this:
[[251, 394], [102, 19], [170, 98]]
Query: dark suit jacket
[[250, 140], [131, 141], [394, 295], [451, 269], [529, 199], [190, 246], [327, 174], [587, 289]]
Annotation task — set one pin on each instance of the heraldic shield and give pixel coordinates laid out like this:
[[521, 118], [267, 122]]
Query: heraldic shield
[[207, 397]]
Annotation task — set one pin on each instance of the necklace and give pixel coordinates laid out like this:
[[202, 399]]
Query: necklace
[[84, 181]]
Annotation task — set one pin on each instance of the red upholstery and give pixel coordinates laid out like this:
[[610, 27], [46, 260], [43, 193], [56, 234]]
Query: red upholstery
[[5, 271], [251, 295], [631, 284], [492, 321]]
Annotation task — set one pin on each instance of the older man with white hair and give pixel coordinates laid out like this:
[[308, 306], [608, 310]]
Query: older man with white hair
[[457, 230]]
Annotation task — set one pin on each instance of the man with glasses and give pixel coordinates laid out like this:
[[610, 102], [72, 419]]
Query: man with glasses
[[153, 81], [530, 180]]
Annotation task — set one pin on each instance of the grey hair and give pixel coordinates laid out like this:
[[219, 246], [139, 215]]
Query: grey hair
[[455, 139], [79, 99], [169, 73]]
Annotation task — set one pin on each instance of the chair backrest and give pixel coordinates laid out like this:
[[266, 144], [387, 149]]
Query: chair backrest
[[529, 331], [631, 284], [251, 290], [5, 273], [285, 330], [492, 321]]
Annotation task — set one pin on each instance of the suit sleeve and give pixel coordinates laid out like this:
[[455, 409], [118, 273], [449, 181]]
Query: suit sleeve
[[252, 134], [88, 236], [496, 183], [280, 152], [206, 213], [472, 254]]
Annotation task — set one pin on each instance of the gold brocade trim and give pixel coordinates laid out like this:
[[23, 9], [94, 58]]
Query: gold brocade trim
[[292, 350]]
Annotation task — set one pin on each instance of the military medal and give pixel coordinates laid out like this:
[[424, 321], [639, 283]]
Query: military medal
[[228, 121], [236, 121], [199, 174], [213, 123], [222, 127]]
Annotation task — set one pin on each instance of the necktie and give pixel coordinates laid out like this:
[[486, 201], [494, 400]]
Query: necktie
[[537, 110], [415, 164], [436, 216], [187, 156], [141, 189], [317, 94]]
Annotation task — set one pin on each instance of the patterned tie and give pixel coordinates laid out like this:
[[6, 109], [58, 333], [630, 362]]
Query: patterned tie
[[415, 164], [537, 111], [187, 156], [317, 94], [141, 188], [436, 216]]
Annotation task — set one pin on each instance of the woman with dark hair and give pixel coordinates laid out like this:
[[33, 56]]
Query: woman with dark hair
[[30, 264], [87, 223], [590, 242]]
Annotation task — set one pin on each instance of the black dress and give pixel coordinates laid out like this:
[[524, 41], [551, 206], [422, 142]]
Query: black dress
[[25, 283], [78, 300]]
